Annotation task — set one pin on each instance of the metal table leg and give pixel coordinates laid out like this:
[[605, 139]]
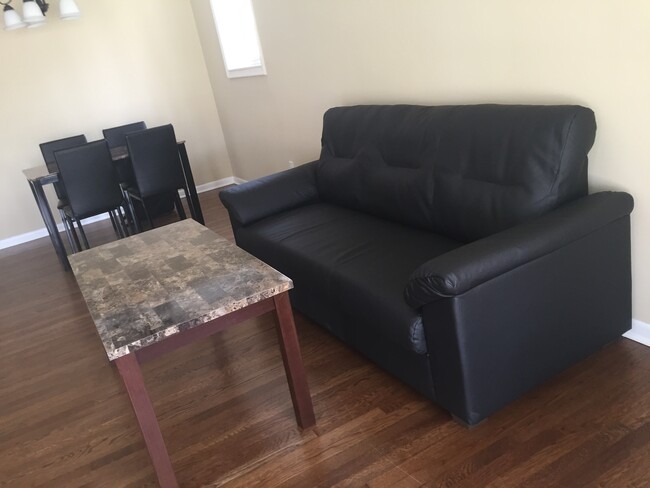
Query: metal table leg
[[50, 224], [190, 187]]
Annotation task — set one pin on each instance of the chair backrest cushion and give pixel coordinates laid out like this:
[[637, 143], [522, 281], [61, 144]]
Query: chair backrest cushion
[[155, 159], [90, 178], [116, 136], [49, 148], [464, 171]]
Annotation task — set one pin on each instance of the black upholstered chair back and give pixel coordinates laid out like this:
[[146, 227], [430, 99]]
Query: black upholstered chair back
[[116, 136], [155, 159], [49, 148], [90, 178]]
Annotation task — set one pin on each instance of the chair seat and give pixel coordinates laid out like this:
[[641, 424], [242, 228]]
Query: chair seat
[[68, 211]]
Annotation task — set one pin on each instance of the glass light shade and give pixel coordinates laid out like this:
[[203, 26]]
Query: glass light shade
[[12, 19], [32, 12], [68, 10]]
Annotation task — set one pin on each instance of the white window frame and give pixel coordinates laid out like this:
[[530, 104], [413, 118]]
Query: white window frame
[[246, 71]]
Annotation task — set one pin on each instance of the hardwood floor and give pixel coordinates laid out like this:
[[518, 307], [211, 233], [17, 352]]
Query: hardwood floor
[[226, 414]]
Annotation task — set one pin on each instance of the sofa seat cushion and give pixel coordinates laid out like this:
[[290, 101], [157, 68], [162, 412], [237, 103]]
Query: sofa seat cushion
[[360, 262]]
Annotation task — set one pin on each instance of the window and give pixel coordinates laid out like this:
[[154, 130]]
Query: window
[[237, 31]]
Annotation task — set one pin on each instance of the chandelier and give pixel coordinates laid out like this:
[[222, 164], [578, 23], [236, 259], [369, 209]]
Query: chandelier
[[34, 13]]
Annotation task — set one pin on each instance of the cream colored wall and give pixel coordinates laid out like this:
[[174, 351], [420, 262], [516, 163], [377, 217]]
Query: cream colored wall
[[324, 53], [121, 62]]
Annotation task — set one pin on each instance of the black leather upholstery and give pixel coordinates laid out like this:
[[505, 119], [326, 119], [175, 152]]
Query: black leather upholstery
[[90, 179], [271, 195], [463, 171], [156, 163], [89, 176], [360, 262], [157, 171], [116, 137], [454, 246], [48, 149], [475, 263], [498, 340]]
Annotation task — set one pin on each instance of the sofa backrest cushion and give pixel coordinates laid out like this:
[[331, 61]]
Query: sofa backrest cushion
[[465, 171], [366, 182]]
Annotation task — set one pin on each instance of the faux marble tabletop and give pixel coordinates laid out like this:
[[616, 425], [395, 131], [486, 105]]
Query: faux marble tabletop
[[146, 287]]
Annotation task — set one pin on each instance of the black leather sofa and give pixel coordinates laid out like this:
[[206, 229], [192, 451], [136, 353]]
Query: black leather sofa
[[456, 246]]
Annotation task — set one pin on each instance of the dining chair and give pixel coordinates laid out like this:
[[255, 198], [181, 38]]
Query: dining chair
[[116, 137], [47, 150], [156, 167], [92, 185]]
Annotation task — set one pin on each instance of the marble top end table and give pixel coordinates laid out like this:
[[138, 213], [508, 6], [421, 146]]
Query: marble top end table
[[157, 291]]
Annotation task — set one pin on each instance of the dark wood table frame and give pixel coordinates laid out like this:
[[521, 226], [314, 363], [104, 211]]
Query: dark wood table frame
[[129, 368], [119, 153]]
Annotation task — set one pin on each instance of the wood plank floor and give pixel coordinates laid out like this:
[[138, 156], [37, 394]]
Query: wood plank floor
[[225, 410]]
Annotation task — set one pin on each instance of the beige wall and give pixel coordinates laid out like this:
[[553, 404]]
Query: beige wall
[[121, 62], [324, 53]]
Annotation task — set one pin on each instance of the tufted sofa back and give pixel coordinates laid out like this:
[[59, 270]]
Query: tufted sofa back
[[464, 171]]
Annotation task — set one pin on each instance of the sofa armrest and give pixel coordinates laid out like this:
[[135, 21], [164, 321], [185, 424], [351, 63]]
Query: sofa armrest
[[462, 269], [263, 197]]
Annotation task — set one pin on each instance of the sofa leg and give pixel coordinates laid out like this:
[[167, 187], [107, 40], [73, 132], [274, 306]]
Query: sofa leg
[[461, 422]]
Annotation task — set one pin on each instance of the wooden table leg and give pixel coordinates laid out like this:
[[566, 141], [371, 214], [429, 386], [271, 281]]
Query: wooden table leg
[[293, 364], [129, 368]]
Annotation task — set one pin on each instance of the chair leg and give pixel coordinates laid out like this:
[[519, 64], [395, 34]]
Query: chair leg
[[119, 222], [117, 231], [146, 213], [77, 244], [179, 205], [121, 217], [134, 217], [83, 234], [115, 219], [128, 217], [68, 222], [66, 226]]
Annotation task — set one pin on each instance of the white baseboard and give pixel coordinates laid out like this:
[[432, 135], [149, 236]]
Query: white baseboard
[[213, 185], [640, 332], [42, 232]]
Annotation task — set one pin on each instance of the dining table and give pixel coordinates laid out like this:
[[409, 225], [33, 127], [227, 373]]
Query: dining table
[[38, 177]]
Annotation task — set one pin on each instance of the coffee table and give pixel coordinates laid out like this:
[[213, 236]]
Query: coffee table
[[157, 291]]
